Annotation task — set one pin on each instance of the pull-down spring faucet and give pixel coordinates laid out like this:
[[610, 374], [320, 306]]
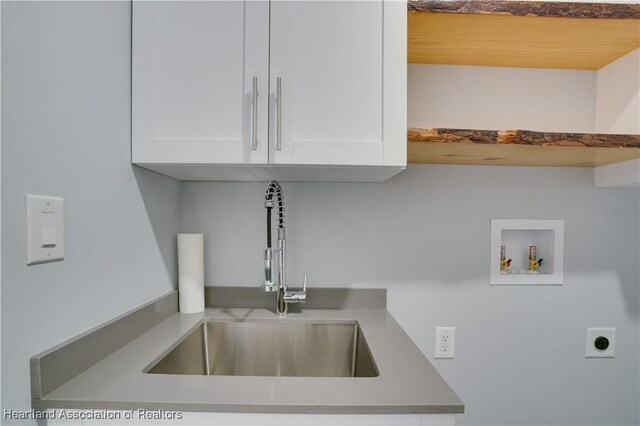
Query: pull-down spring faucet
[[275, 259]]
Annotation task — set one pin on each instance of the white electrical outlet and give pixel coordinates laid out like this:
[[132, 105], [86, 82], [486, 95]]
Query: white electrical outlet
[[445, 342], [601, 343]]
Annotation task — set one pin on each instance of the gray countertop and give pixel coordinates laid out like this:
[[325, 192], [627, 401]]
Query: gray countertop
[[407, 383]]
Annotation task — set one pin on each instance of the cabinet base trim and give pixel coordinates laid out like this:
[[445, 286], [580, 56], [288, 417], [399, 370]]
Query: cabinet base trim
[[265, 173]]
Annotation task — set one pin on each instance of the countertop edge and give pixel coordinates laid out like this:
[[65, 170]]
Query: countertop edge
[[43, 404]]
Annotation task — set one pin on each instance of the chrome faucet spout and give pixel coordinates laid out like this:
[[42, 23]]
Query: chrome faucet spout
[[272, 262], [275, 276]]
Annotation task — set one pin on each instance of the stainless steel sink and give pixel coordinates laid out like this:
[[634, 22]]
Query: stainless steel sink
[[270, 348]]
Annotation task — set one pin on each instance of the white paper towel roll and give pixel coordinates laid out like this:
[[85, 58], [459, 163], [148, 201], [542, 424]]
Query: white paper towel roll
[[191, 273]]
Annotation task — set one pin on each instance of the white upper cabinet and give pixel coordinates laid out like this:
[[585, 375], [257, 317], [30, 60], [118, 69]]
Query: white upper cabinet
[[330, 80], [194, 67], [276, 89]]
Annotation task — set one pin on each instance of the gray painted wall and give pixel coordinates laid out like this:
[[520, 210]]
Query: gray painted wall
[[66, 132], [474, 97], [618, 95], [425, 236]]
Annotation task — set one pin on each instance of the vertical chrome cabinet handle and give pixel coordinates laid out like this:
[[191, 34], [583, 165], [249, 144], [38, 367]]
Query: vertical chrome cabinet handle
[[279, 114], [254, 116]]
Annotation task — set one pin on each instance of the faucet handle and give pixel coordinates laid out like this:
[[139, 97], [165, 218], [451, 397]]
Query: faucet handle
[[297, 296]]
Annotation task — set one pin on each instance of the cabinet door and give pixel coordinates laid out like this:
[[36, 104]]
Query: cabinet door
[[198, 67], [338, 82]]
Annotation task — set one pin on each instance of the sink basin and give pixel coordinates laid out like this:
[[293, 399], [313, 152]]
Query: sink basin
[[270, 348]]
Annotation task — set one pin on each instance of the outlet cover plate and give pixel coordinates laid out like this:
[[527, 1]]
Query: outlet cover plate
[[445, 342], [592, 334]]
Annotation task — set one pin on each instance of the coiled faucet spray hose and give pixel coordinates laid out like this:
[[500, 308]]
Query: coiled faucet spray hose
[[274, 188]]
